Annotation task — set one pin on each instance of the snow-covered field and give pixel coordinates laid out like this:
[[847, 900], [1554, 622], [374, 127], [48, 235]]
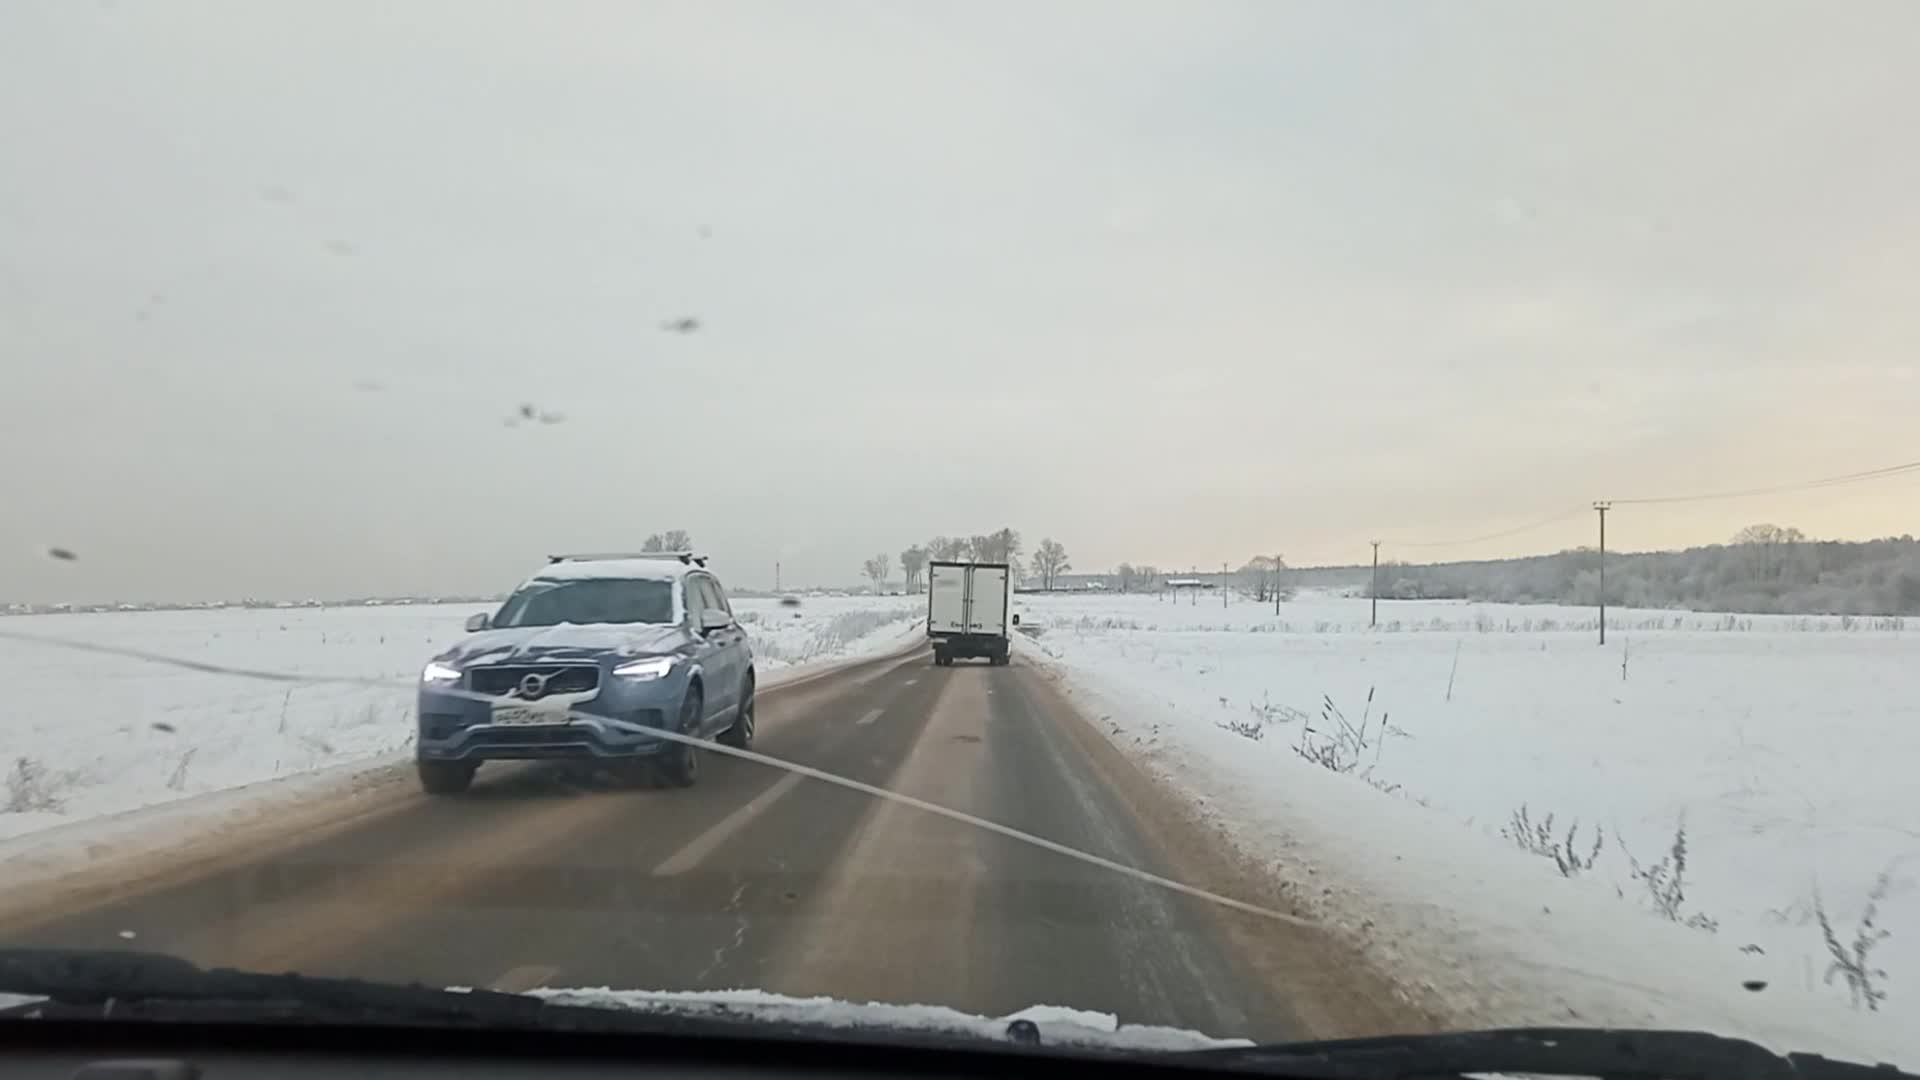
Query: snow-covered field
[[86, 734], [1784, 744]]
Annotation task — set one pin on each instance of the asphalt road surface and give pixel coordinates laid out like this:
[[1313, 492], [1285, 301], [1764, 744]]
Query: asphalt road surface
[[760, 878]]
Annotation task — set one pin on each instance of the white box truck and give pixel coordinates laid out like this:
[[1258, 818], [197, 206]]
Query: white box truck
[[967, 610]]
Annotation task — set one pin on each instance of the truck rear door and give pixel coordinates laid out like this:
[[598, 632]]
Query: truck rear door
[[947, 599], [988, 612]]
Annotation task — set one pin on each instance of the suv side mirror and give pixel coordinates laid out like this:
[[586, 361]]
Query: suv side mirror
[[714, 619], [1016, 620], [478, 621]]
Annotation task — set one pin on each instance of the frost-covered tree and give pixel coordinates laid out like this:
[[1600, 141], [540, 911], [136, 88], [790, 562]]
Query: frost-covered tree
[[876, 570], [671, 540], [912, 562], [1050, 561]]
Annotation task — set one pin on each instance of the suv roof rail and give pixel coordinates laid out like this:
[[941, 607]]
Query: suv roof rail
[[687, 557]]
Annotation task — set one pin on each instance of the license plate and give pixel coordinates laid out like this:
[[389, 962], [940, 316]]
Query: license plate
[[527, 716]]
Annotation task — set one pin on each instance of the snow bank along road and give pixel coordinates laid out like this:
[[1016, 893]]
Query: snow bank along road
[[760, 878]]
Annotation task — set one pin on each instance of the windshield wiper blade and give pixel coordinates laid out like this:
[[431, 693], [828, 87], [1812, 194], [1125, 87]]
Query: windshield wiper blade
[[1609, 1053], [85, 977], [125, 985]]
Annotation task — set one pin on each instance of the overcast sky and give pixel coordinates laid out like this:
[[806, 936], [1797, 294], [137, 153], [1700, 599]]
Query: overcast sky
[[1173, 283]]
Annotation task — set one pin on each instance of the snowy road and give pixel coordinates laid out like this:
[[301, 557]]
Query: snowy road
[[759, 878]]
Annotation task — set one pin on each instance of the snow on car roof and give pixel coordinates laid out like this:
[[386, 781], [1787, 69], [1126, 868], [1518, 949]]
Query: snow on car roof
[[639, 569]]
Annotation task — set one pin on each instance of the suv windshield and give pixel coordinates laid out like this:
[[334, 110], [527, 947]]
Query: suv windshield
[[599, 600]]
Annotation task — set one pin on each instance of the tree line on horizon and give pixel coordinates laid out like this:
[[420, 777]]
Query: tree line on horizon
[[1765, 569], [1263, 576], [1001, 546]]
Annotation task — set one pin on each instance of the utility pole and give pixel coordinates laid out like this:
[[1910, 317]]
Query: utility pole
[[1373, 616], [1601, 508], [776, 575]]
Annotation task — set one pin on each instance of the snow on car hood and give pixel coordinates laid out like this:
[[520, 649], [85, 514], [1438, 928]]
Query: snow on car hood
[[1058, 1026], [566, 642]]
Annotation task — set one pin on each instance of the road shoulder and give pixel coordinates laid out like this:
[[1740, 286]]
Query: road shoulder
[[1333, 987]]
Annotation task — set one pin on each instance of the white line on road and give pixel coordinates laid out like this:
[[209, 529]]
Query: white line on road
[[910, 682], [524, 978], [703, 845], [870, 717]]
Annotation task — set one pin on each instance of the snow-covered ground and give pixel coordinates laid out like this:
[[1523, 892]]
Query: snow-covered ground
[[1784, 744], [86, 734]]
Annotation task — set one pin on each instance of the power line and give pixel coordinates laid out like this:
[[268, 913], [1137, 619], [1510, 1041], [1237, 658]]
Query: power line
[[1883, 473], [1803, 485], [1515, 531]]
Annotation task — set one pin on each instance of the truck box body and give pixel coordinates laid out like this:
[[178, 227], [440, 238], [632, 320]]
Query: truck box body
[[967, 610]]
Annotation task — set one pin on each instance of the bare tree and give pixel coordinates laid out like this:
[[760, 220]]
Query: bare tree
[[912, 562], [671, 540], [1050, 561], [1768, 534], [1003, 546], [1771, 546], [1263, 576], [1125, 573], [876, 570], [1255, 576]]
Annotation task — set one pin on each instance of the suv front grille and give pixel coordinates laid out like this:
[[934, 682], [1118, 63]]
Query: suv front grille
[[503, 679]]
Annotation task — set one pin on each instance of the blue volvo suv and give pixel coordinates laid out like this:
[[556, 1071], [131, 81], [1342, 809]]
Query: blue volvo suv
[[589, 659]]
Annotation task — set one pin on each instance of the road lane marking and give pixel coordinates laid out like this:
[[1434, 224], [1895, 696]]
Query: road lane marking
[[524, 978], [870, 717], [720, 831], [910, 682]]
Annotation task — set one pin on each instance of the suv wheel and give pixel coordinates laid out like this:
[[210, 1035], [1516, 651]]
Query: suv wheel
[[679, 764], [740, 735], [446, 777]]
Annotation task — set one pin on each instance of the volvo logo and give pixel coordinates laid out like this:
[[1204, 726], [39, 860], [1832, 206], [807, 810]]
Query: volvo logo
[[533, 686]]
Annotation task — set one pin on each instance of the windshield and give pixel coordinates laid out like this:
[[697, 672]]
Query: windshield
[[1170, 519], [592, 600]]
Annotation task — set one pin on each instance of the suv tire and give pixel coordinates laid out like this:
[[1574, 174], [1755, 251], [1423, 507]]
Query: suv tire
[[740, 735], [679, 764], [445, 777]]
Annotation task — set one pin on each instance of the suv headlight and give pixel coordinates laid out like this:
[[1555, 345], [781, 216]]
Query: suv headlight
[[439, 672], [653, 667]]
